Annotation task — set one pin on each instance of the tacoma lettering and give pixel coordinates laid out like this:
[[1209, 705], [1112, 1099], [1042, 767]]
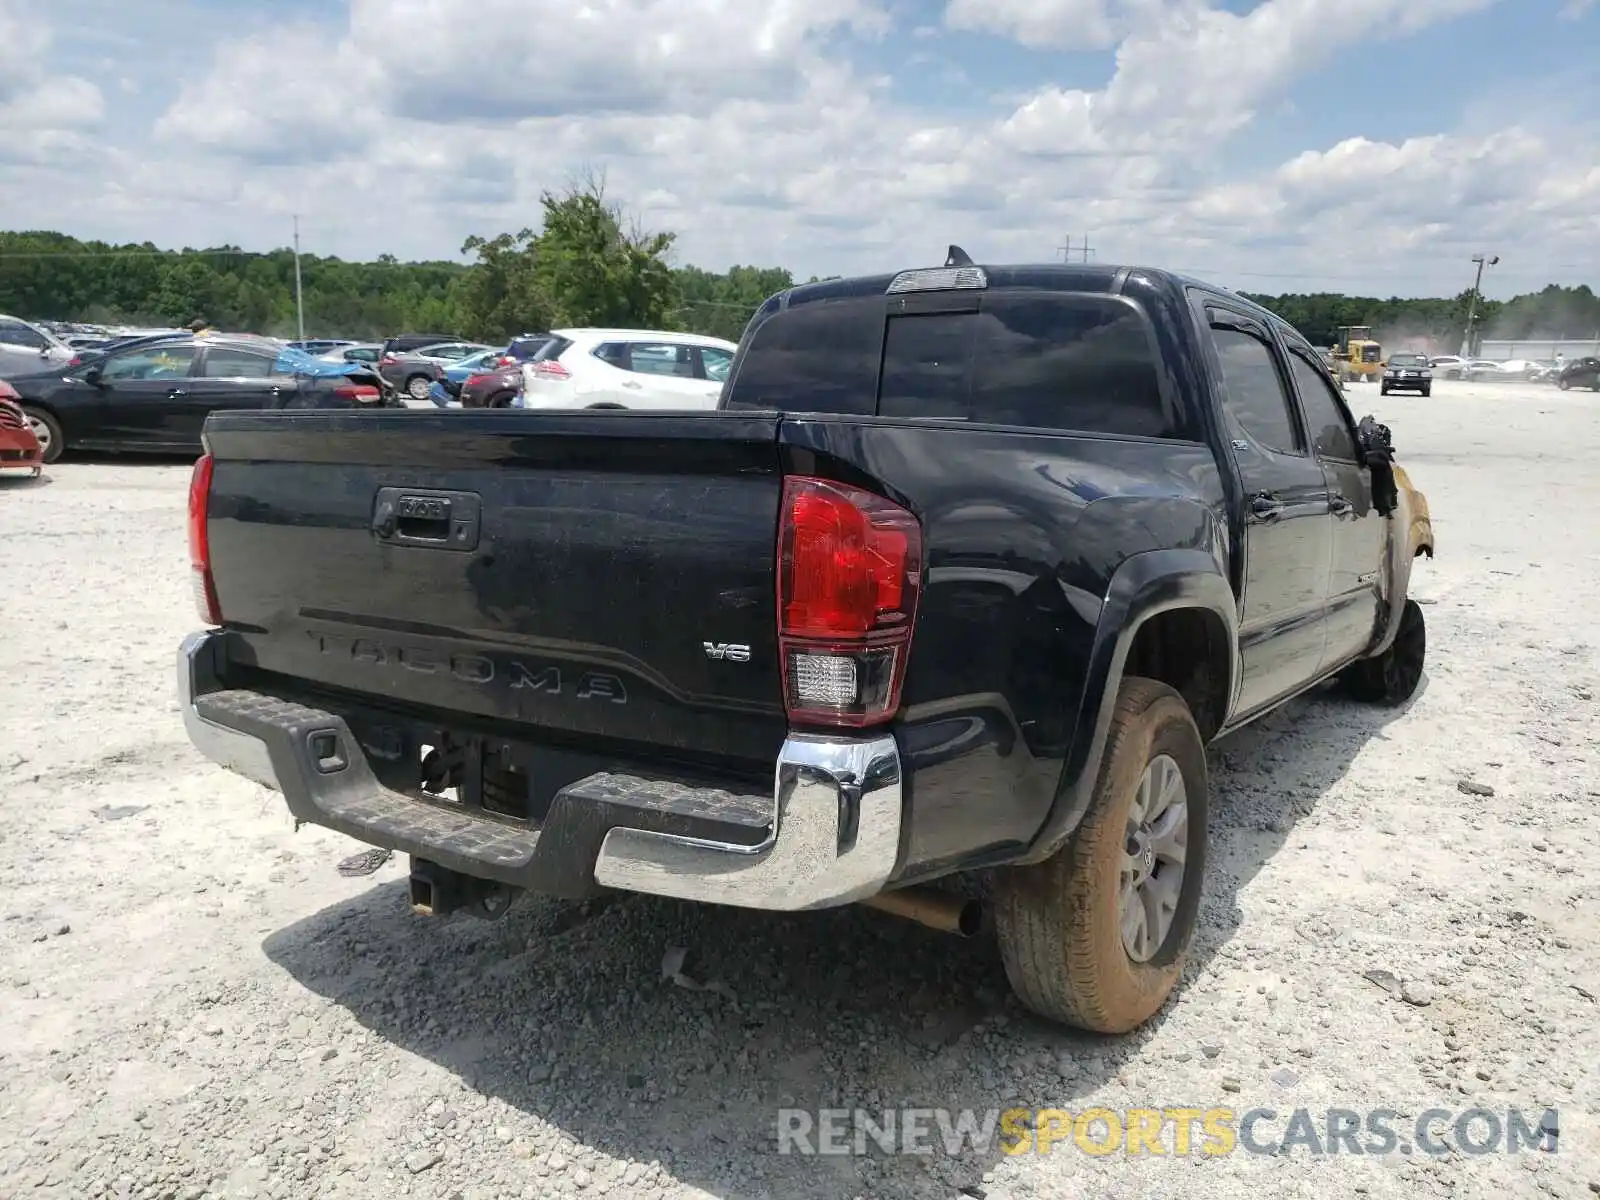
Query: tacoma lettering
[[468, 668]]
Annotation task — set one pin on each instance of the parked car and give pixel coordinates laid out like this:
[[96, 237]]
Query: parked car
[[19, 445], [526, 348], [362, 352], [317, 347], [407, 342], [627, 368], [1526, 369], [1447, 366], [26, 347], [1408, 373], [498, 388], [155, 396], [1483, 368], [416, 371], [965, 572], [458, 372], [1580, 372]]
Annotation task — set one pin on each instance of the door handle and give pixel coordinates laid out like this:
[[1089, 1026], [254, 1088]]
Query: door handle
[[1339, 506], [174, 392], [628, 383], [1266, 507]]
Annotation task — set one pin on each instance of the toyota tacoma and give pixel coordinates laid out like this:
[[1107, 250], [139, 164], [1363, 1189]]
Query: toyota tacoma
[[962, 575]]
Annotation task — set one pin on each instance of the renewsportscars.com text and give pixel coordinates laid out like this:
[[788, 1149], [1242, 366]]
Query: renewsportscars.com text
[[1175, 1131]]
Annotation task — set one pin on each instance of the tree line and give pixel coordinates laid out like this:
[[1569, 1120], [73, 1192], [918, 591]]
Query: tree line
[[1554, 312], [588, 263]]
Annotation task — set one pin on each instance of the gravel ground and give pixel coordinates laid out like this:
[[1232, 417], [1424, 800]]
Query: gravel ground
[[194, 1003]]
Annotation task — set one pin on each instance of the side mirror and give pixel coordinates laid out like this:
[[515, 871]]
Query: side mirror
[[92, 375]]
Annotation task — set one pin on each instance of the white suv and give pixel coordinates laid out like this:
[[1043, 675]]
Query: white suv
[[626, 368]]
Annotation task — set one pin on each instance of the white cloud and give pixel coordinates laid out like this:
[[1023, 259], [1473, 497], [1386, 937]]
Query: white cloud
[[290, 95], [798, 155], [1052, 24], [43, 115], [1187, 74]]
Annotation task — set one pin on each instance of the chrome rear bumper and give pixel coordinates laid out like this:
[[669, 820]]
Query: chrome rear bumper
[[833, 837]]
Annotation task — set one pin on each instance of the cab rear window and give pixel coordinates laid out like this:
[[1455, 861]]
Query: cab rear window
[[1057, 361]]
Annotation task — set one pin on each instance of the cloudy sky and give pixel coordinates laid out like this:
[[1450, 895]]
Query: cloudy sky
[[1272, 145]]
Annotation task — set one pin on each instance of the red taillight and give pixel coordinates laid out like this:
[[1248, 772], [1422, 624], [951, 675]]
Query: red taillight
[[849, 574], [550, 369], [205, 588], [477, 379], [361, 393]]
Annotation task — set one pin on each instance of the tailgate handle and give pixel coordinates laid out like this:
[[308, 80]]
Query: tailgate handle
[[427, 519]]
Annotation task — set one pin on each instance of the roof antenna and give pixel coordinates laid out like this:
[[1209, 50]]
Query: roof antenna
[[958, 258]]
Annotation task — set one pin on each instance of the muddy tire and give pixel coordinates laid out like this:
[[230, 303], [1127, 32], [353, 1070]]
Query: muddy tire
[[1096, 935], [1391, 678]]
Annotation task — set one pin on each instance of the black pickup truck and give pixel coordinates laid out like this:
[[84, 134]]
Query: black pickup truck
[[964, 573]]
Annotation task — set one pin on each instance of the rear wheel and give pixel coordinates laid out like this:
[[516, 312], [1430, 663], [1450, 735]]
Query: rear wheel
[[1095, 936], [417, 387], [52, 443], [1427, 391], [1392, 677]]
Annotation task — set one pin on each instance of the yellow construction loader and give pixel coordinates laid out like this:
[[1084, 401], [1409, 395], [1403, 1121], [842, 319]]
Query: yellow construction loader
[[1355, 357]]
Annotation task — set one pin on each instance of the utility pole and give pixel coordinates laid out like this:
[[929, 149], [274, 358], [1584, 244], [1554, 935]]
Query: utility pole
[[1472, 303], [299, 299], [1068, 250]]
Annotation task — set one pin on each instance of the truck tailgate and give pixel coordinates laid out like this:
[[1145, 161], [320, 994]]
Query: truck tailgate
[[600, 576]]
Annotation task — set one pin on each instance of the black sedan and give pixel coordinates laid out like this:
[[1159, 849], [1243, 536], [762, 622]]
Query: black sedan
[[1580, 372], [155, 396]]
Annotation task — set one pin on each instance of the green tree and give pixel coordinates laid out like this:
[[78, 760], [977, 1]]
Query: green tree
[[598, 266], [501, 295]]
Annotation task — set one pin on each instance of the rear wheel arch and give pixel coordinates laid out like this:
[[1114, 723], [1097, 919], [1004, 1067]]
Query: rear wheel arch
[[1189, 585], [1187, 649]]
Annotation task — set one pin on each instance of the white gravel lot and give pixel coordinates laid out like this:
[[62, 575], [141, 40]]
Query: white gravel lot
[[193, 1003]]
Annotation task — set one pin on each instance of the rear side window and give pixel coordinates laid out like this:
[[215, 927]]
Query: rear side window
[[661, 358], [236, 364], [820, 357], [1253, 394], [1033, 359]]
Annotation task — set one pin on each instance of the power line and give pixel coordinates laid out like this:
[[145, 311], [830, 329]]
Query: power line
[[131, 253], [94, 254]]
